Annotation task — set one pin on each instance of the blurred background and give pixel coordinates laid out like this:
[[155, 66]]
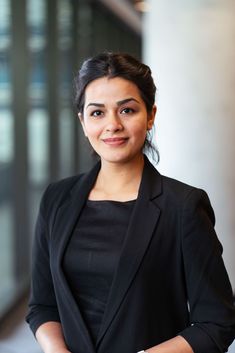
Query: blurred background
[[190, 47]]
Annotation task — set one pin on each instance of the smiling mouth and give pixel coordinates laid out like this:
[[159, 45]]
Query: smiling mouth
[[115, 141]]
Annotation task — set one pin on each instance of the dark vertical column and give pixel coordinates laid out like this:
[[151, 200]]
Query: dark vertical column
[[53, 82], [83, 44], [19, 62], [75, 60]]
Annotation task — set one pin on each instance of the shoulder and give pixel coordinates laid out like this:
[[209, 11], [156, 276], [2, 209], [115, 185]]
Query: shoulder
[[58, 192], [63, 185], [173, 192], [180, 191], [186, 197], [176, 187], [175, 195], [64, 191]]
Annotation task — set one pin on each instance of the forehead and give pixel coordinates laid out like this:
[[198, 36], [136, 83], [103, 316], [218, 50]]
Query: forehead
[[115, 88]]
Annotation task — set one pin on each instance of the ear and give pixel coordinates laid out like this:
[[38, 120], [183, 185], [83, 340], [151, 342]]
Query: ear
[[151, 117], [80, 116]]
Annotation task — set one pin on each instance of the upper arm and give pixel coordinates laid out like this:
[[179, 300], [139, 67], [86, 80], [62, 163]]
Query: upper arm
[[42, 302], [207, 282]]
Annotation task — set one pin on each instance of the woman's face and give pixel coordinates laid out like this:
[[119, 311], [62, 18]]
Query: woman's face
[[115, 119]]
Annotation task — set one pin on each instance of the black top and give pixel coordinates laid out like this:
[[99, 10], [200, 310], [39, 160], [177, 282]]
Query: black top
[[92, 256]]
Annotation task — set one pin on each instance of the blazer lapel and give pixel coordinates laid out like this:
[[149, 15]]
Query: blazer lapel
[[142, 224], [65, 222]]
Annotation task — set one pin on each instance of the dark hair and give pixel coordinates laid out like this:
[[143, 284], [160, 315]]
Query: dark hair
[[108, 64]]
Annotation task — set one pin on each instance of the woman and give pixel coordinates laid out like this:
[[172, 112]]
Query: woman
[[125, 259]]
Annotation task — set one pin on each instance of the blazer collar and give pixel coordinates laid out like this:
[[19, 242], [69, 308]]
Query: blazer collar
[[151, 182], [142, 223], [150, 186], [67, 216]]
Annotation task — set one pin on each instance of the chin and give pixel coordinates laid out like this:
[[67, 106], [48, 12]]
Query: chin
[[118, 158]]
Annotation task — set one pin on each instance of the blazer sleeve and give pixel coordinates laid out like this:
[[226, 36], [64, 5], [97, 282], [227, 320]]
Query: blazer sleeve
[[210, 297], [42, 302]]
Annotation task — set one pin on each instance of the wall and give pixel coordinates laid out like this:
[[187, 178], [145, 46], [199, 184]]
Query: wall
[[190, 47]]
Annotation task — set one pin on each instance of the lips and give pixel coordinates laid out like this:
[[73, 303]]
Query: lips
[[115, 141]]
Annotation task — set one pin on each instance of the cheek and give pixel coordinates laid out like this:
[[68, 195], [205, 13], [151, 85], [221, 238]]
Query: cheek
[[92, 130], [139, 130]]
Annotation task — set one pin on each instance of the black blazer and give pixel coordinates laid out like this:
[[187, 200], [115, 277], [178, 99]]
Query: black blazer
[[170, 279]]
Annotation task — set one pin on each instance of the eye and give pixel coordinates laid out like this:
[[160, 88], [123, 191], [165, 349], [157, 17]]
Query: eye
[[127, 111], [97, 113]]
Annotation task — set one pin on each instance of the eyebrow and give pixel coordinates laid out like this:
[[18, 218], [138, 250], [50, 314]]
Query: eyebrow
[[123, 101], [127, 100]]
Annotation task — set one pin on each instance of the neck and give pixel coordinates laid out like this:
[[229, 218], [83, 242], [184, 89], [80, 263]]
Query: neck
[[118, 181]]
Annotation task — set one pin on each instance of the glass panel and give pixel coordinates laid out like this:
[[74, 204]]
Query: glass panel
[[6, 161], [38, 145], [38, 120], [66, 117]]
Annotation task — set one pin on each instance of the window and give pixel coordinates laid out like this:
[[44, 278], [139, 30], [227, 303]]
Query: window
[[6, 161]]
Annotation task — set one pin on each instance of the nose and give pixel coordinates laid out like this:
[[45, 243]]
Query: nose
[[114, 123]]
